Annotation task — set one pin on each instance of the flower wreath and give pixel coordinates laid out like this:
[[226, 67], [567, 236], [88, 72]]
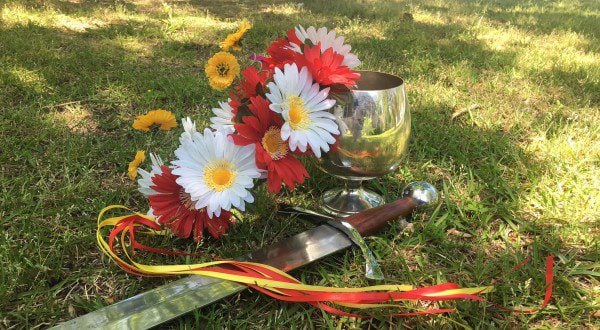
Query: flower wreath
[[276, 111]]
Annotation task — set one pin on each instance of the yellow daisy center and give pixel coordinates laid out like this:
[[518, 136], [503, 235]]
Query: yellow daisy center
[[222, 69], [299, 115], [273, 143], [219, 175]]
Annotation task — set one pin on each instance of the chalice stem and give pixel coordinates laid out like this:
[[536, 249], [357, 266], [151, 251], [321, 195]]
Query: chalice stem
[[353, 187], [351, 199]]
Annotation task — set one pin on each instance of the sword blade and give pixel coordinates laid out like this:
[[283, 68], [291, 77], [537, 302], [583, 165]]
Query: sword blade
[[171, 300]]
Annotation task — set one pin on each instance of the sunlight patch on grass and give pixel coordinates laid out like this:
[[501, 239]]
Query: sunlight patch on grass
[[184, 23], [560, 7], [357, 29], [558, 52], [18, 15], [284, 9], [195, 28], [431, 18], [49, 17], [134, 45], [78, 118], [29, 78], [570, 190], [559, 49], [502, 39], [77, 24]]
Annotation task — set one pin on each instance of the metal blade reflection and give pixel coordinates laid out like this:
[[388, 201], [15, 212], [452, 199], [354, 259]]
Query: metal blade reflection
[[184, 295]]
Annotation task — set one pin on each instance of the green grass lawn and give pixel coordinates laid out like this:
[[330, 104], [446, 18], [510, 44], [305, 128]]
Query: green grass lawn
[[519, 172]]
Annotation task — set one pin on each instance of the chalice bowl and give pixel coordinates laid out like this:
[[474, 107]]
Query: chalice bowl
[[374, 123]]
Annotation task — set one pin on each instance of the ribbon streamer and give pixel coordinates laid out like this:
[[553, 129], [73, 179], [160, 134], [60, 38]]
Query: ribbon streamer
[[279, 285]]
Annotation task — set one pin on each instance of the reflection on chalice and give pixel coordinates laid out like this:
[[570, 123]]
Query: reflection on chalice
[[374, 122]]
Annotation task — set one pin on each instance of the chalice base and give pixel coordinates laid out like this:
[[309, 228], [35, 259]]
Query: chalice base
[[343, 202]]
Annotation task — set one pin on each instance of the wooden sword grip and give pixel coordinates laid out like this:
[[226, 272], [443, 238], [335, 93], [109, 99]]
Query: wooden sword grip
[[373, 220]]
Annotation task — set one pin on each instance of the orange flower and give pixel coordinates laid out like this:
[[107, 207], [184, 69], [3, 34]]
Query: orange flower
[[221, 70], [164, 118], [233, 40], [140, 156]]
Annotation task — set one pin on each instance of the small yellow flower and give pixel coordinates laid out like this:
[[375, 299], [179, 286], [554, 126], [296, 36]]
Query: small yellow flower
[[140, 156], [233, 40], [221, 69], [164, 118]]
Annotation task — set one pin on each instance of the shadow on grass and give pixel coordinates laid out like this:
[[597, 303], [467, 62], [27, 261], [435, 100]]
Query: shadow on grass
[[579, 84], [485, 172], [93, 66]]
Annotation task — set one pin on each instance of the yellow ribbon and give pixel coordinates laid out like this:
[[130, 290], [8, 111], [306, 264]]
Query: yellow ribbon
[[270, 284]]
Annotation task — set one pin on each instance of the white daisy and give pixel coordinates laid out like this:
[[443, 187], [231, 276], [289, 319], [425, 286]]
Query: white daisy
[[189, 129], [215, 172], [304, 109], [327, 40], [223, 116], [146, 177]]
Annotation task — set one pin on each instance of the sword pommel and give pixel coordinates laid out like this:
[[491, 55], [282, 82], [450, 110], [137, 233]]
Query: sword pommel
[[416, 195]]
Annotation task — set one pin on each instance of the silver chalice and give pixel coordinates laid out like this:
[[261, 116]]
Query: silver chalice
[[374, 122]]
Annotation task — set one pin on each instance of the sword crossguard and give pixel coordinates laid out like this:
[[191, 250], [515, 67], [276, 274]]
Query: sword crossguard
[[372, 269], [417, 195]]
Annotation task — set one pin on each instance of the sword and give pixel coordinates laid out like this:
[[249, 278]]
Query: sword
[[171, 300]]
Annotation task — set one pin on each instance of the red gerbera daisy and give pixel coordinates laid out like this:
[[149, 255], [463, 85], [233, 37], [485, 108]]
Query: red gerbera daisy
[[253, 82], [326, 68], [234, 102], [291, 36], [174, 209], [280, 54], [263, 129]]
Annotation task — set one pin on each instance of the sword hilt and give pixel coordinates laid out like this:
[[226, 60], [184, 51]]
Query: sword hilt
[[416, 195]]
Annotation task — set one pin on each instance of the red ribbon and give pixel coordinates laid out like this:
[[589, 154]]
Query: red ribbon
[[132, 224]]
